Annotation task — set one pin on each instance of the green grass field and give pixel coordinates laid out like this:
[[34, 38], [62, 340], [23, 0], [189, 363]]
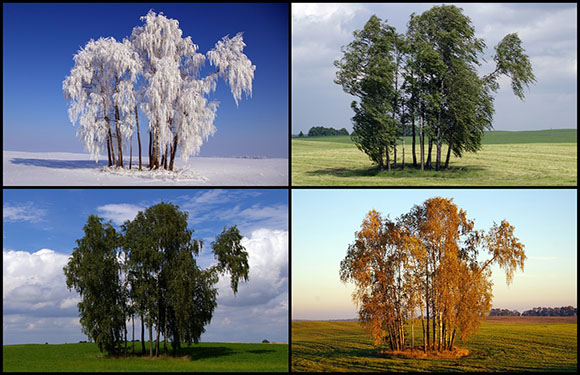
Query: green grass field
[[203, 357], [525, 158], [344, 346]]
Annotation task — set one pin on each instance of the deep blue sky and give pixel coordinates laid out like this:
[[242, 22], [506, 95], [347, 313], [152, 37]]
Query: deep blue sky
[[40, 41], [41, 226]]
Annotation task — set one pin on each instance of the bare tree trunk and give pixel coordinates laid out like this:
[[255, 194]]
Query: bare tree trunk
[[412, 334], [450, 145], [125, 335], [119, 139], [109, 151], [440, 331], [150, 339], [422, 143], [403, 148], [413, 146], [113, 162], [395, 153], [427, 299], [164, 159], [157, 342], [138, 135], [387, 156], [429, 152], [150, 149], [424, 332], [131, 152], [133, 336], [438, 161], [173, 152], [142, 335], [165, 339]]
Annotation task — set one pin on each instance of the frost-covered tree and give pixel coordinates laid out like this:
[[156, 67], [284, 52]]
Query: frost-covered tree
[[174, 94], [102, 90]]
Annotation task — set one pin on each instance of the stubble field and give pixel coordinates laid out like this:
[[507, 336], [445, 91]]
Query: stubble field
[[505, 345], [526, 158]]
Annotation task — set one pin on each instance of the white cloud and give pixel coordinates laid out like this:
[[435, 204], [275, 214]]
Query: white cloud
[[268, 278], [23, 212], [260, 308], [119, 213], [34, 284]]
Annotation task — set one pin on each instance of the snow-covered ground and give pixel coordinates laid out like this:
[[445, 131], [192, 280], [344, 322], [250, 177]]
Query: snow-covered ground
[[71, 169]]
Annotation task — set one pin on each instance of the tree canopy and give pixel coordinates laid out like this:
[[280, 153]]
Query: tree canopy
[[149, 270], [424, 265], [157, 70], [425, 80]]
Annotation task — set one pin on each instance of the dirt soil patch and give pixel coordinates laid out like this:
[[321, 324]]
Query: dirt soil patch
[[532, 319], [418, 353]]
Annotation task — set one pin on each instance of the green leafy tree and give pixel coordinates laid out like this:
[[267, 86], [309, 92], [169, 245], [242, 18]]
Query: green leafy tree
[[93, 271], [368, 70], [426, 80]]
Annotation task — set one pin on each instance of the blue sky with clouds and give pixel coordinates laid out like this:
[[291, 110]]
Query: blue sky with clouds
[[39, 41], [40, 227], [548, 32]]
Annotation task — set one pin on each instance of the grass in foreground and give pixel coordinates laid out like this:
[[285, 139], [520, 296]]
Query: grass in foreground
[[345, 346], [506, 159], [202, 357]]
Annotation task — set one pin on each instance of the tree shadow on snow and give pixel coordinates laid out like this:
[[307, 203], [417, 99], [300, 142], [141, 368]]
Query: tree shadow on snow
[[60, 164]]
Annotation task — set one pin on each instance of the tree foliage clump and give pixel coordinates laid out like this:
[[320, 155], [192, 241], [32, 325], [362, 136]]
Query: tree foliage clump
[[423, 267], [149, 270], [425, 82], [321, 131], [157, 70]]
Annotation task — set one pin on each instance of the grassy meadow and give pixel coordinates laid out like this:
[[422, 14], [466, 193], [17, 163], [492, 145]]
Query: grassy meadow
[[498, 346], [523, 158], [202, 357]]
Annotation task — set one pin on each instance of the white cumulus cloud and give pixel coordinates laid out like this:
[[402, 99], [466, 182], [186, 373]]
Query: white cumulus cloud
[[34, 284]]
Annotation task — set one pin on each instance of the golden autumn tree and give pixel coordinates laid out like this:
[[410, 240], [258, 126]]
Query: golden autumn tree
[[424, 265]]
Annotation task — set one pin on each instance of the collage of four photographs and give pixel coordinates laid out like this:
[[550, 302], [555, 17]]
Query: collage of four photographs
[[289, 187]]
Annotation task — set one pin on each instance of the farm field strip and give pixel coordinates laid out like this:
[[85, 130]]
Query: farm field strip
[[345, 346], [202, 357], [338, 162]]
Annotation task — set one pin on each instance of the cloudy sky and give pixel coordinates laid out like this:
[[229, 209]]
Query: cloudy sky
[[544, 220], [39, 232], [548, 32]]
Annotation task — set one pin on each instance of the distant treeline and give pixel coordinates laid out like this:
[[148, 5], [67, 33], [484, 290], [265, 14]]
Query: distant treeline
[[537, 311], [319, 131]]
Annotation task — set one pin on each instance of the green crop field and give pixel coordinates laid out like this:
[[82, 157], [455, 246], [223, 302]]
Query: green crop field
[[498, 346], [524, 158], [203, 357]]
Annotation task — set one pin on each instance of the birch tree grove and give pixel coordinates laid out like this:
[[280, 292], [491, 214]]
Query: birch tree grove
[[424, 266], [427, 81], [156, 70], [149, 271]]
